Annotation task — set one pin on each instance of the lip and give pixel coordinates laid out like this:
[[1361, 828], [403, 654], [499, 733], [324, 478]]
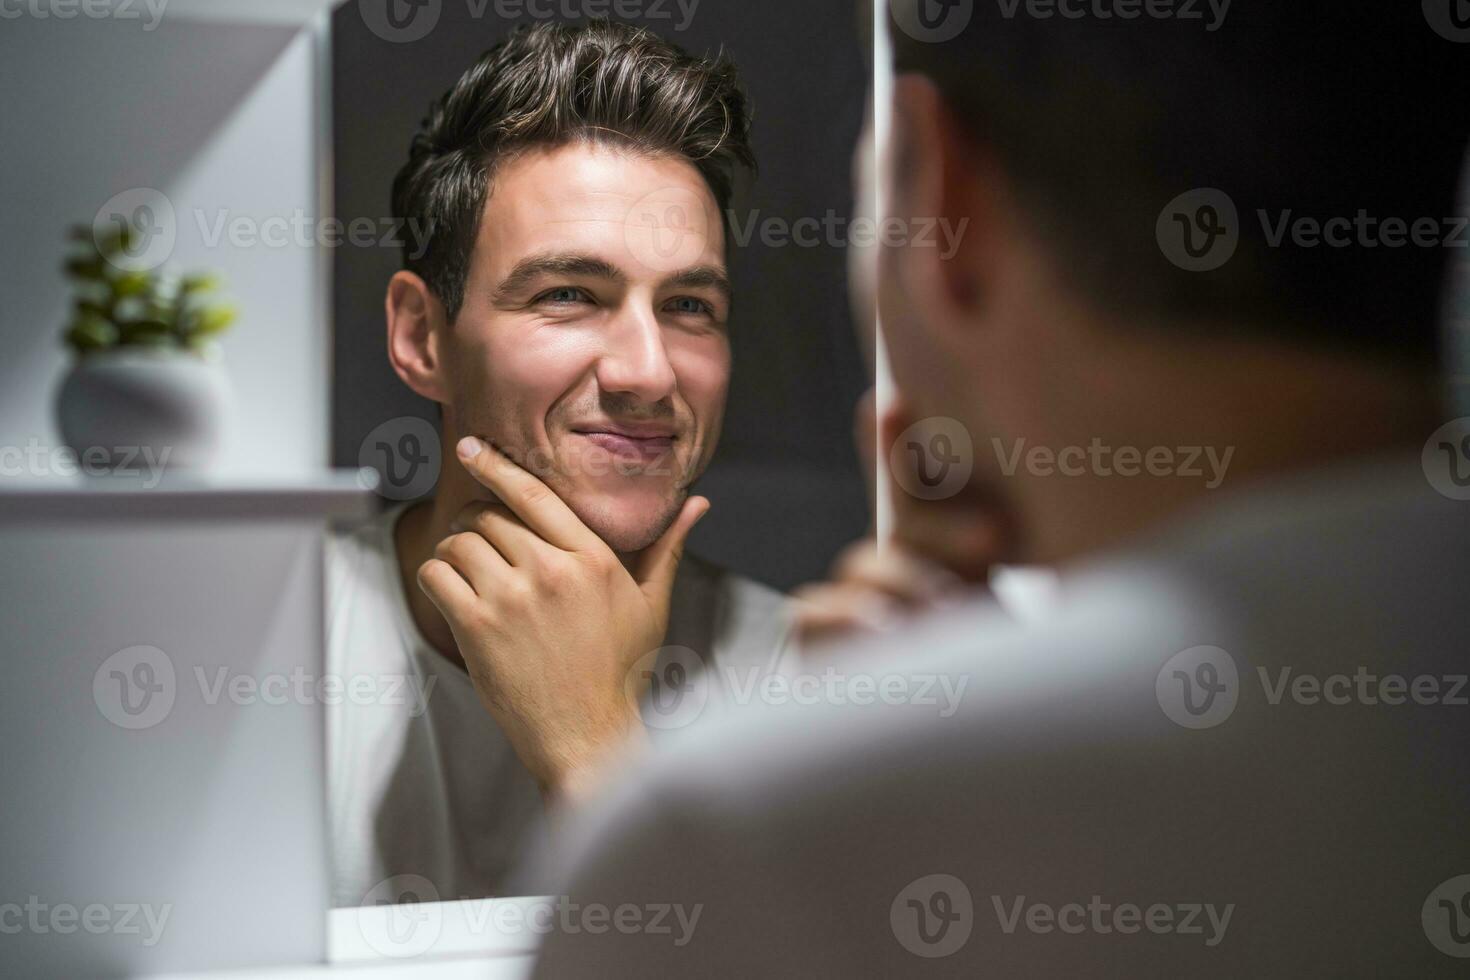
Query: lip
[[647, 443], [629, 430]]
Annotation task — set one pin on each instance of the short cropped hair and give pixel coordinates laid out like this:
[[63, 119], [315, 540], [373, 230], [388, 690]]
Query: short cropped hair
[[1298, 108], [553, 84]]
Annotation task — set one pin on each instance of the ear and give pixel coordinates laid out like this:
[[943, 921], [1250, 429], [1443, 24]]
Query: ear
[[945, 188], [416, 324]]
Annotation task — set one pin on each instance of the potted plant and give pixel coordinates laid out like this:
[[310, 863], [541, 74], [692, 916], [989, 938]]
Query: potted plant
[[146, 387]]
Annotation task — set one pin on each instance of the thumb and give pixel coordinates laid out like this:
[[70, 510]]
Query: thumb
[[656, 568]]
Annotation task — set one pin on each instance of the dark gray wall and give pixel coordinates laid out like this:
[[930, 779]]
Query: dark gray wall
[[785, 485]]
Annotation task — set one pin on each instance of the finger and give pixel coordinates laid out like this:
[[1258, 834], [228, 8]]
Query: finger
[[967, 543], [476, 560], [894, 571], [824, 612], [660, 561], [531, 500], [446, 588], [497, 524]]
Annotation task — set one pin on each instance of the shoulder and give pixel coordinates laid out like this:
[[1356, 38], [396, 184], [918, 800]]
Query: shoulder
[[729, 614], [356, 554]]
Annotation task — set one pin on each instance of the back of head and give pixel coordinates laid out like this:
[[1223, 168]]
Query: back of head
[[1104, 113]]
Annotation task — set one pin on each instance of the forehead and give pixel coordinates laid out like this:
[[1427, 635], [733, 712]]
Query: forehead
[[619, 205]]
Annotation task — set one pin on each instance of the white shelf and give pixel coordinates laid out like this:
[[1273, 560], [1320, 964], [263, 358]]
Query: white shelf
[[334, 494], [295, 12]]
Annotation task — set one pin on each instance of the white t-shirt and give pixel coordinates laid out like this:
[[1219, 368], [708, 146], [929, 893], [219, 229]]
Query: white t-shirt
[[424, 788]]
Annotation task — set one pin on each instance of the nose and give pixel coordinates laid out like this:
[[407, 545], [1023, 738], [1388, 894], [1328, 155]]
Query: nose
[[635, 361]]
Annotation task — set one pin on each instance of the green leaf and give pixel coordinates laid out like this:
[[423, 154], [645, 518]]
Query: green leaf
[[144, 331], [90, 332], [199, 282], [210, 321], [132, 283]]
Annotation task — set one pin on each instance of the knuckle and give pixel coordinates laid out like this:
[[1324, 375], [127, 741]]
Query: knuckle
[[534, 495], [555, 576]]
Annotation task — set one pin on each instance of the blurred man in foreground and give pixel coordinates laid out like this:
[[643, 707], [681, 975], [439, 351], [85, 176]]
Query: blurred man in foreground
[[1191, 339]]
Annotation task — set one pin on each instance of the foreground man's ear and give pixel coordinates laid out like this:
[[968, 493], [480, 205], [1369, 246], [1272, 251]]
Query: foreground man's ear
[[416, 323], [948, 192]]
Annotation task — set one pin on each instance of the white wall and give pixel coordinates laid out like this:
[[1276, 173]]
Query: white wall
[[220, 117]]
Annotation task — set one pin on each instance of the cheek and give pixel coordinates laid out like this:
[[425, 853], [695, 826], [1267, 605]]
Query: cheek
[[535, 369], [703, 370]]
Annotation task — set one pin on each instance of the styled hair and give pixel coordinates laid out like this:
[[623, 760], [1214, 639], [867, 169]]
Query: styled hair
[[1298, 108], [553, 84]]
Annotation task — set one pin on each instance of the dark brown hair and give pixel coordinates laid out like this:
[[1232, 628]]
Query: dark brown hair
[[552, 84]]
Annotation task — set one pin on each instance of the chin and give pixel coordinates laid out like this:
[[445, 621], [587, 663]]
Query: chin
[[628, 523]]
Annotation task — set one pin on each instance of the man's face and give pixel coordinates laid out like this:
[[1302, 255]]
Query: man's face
[[591, 345]]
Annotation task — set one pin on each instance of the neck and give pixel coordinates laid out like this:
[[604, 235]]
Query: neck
[[1247, 410]]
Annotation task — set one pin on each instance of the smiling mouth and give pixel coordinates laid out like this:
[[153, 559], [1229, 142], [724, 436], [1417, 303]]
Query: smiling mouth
[[649, 447]]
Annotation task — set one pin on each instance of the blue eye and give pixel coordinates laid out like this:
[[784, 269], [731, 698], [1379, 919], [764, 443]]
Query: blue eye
[[563, 295], [690, 305]]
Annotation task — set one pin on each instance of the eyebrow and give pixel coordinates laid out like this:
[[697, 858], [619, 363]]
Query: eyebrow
[[534, 267]]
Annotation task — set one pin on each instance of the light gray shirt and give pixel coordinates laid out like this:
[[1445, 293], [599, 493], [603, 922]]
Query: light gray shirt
[[1237, 750]]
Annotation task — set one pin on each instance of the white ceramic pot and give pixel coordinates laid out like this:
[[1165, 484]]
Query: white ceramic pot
[[133, 408]]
